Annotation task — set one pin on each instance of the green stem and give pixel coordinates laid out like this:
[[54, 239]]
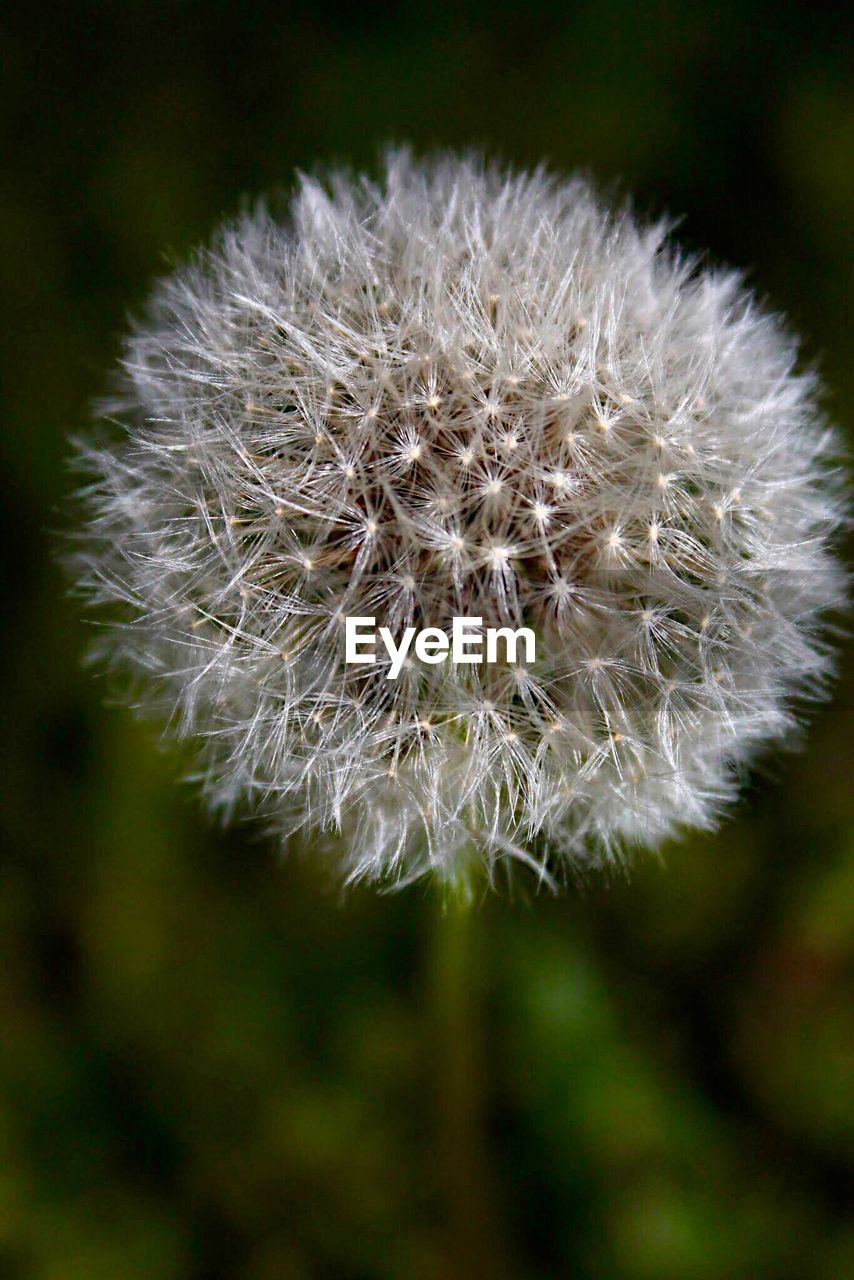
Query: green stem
[[473, 1224]]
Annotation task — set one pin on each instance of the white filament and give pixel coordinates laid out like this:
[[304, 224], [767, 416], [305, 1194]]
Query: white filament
[[464, 392]]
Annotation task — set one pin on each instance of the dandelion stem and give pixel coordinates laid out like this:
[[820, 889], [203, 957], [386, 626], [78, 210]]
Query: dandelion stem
[[473, 1236]]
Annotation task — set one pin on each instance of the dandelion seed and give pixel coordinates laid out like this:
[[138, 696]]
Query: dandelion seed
[[499, 557], [223, 545]]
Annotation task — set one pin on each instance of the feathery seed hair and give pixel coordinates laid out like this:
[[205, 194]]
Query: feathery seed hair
[[465, 391]]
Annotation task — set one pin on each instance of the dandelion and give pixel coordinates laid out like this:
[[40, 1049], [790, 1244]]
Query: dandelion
[[464, 392]]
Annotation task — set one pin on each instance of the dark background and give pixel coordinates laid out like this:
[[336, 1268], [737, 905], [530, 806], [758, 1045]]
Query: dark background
[[210, 1066]]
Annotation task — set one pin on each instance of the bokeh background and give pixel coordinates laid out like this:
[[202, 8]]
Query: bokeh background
[[212, 1066]]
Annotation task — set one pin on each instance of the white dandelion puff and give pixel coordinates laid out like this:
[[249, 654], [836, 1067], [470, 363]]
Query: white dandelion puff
[[464, 392]]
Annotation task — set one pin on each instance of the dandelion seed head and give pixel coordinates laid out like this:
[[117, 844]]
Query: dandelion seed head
[[317, 421]]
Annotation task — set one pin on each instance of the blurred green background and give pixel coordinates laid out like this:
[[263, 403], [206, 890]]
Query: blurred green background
[[210, 1065]]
